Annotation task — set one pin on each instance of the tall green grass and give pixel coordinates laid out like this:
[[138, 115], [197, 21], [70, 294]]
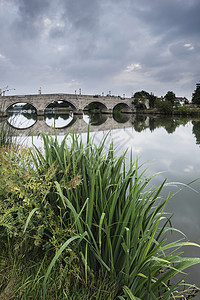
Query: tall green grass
[[119, 219], [7, 133], [84, 223]]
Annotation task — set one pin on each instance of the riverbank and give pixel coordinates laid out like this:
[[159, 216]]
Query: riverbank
[[75, 224], [181, 111]]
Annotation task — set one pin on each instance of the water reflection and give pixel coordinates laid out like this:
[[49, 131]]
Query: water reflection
[[94, 118], [169, 123], [121, 117], [58, 120], [196, 131], [21, 115], [21, 120]]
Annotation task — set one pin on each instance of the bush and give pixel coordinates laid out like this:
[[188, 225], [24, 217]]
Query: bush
[[164, 107]]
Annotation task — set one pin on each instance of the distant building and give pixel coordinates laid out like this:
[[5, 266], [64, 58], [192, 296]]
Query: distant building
[[182, 100]]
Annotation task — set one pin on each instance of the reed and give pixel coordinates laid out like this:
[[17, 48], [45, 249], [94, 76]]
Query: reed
[[7, 133], [119, 219], [85, 223]]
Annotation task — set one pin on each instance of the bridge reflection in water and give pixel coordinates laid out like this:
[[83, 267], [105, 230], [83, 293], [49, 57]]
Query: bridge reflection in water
[[31, 124]]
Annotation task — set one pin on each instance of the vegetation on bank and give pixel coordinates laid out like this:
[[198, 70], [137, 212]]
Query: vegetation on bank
[[164, 108], [78, 222], [169, 104]]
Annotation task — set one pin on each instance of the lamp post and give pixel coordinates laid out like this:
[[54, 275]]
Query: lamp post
[[4, 90]]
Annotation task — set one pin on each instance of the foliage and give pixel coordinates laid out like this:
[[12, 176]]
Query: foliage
[[141, 94], [196, 95], [76, 218], [139, 100], [183, 109], [152, 100], [24, 192], [139, 97], [118, 220], [7, 133], [164, 107], [171, 97]]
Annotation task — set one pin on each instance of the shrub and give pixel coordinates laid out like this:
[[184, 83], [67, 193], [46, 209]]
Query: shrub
[[164, 107]]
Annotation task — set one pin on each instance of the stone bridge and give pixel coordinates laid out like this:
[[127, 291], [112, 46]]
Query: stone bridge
[[77, 102]]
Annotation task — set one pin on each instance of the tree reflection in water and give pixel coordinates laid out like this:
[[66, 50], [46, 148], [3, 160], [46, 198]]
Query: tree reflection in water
[[94, 119], [196, 131]]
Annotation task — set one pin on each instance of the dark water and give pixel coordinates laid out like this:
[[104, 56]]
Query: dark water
[[170, 145]]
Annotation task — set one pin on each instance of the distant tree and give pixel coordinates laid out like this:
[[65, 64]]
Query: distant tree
[[171, 97], [152, 100], [139, 103], [141, 94], [140, 99], [196, 95], [164, 107]]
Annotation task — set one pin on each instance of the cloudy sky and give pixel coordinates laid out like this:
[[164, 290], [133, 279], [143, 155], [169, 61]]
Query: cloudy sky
[[100, 46]]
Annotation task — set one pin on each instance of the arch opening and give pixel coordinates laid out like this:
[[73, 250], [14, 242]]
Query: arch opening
[[59, 114], [60, 105], [21, 115], [119, 113], [122, 107], [95, 107]]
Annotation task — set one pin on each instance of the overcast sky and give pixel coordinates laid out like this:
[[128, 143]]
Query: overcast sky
[[100, 46]]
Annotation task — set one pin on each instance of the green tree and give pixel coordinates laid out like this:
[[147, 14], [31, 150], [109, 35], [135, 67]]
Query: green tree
[[152, 100], [196, 95], [164, 107], [171, 97], [141, 94], [140, 99]]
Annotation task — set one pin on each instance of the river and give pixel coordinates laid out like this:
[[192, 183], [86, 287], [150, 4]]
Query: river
[[170, 145]]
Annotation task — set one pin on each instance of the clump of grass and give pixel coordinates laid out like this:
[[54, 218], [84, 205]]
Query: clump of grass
[[92, 212], [7, 133], [120, 223]]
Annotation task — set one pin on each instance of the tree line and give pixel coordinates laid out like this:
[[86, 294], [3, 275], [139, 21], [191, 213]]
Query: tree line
[[166, 103]]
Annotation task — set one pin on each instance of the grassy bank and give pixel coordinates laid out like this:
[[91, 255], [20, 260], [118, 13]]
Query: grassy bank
[[180, 111], [78, 222]]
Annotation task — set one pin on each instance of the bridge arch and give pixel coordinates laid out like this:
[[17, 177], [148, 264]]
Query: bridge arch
[[74, 108], [21, 115], [95, 105], [9, 105], [122, 107]]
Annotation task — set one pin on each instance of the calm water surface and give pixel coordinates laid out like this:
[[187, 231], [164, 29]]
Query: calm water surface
[[167, 145]]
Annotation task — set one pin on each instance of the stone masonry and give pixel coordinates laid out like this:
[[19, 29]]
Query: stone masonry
[[78, 102]]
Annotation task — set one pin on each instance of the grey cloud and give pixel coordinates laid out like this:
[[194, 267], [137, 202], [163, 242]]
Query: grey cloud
[[172, 17], [28, 24], [93, 41], [82, 13]]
